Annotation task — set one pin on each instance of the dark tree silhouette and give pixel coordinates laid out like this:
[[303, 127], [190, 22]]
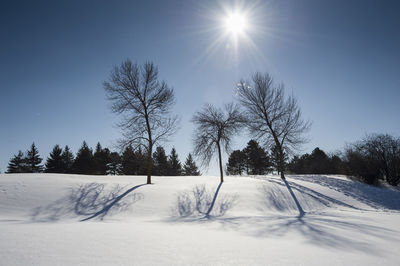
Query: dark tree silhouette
[[160, 162], [54, 163], [145, 103], [271, 116], [84, 163], [375, 157], [114, 166], [190, 167], [17, 164], [276, 159], [214, 131], [237, 162], [318, 162], [174, 165], [257, 159], [101, 159], [33, 160], [68, 160], [128, 161]]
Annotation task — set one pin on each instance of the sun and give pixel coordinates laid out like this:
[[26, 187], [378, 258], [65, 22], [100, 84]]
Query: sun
[[235, 23]]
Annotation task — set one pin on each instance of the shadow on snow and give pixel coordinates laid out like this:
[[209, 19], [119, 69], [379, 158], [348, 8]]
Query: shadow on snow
[[309, 197], [376, 197], [322, 230], [92, 200], [199, 203]]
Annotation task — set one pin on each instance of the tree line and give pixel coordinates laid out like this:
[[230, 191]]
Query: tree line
[[101, 161], [373, 159]]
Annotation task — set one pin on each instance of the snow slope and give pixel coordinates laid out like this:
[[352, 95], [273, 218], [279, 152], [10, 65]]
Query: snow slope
[[54, 219]]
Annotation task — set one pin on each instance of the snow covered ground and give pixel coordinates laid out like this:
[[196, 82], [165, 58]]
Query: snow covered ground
[[53, 219]]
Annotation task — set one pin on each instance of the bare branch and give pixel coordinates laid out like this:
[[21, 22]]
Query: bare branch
[[271, 117], [214, 130], [145, 104]]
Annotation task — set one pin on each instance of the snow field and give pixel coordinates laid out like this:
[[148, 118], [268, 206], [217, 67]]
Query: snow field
[[196, 221]]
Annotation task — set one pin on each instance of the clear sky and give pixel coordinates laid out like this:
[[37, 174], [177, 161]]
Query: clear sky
[[341, 59]]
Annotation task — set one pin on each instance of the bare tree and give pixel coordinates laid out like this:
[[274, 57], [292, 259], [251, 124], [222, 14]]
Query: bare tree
[[375, 157], [214, 130], [145, 103], [272, 117]]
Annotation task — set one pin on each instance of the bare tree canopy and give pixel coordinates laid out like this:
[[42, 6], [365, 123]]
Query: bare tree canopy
[[215, 128], [375, 157], [144, 103], [271, 116]]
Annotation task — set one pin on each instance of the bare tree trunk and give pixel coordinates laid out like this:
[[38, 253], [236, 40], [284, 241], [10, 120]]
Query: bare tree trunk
[[281, 162], [220, 162], [149, 164], [150, 149]]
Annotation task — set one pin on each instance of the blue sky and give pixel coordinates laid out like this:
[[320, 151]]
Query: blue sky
[[339, 58]]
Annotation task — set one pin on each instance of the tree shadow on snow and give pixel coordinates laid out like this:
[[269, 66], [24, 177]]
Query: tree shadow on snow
[[199, 203], [318, 229], [275, 198], [324, 231], [92, 200], [376, 197], [301, 211]]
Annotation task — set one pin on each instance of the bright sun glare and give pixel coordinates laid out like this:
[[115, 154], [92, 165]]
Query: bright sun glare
[[236, 23]]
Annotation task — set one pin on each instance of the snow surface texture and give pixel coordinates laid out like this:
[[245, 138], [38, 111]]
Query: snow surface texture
[[54, 219]]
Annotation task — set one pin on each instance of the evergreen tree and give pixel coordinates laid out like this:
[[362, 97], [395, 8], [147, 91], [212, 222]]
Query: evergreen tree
[[318, 162], [101, 159], [160, 161], [114, 166], [190, 168], [128, 162], [237, 163], [54, 163], [84, 162], [276, 159], [140, 162], [17, 164], [257, 160], [296, 165], [33, 160], [174, 165], [68, 160], [336, 165]]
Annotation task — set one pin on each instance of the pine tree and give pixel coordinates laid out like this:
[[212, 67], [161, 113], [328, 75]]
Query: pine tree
[[17, 164], [128, 161], [114, 166], [258, 162], [276, 160], [140, 162], [160, 162], [84, 163], [33, 160], [54, 163], [101, 159], [190, 168], [174, 165], [237, 163], [68, 160]]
